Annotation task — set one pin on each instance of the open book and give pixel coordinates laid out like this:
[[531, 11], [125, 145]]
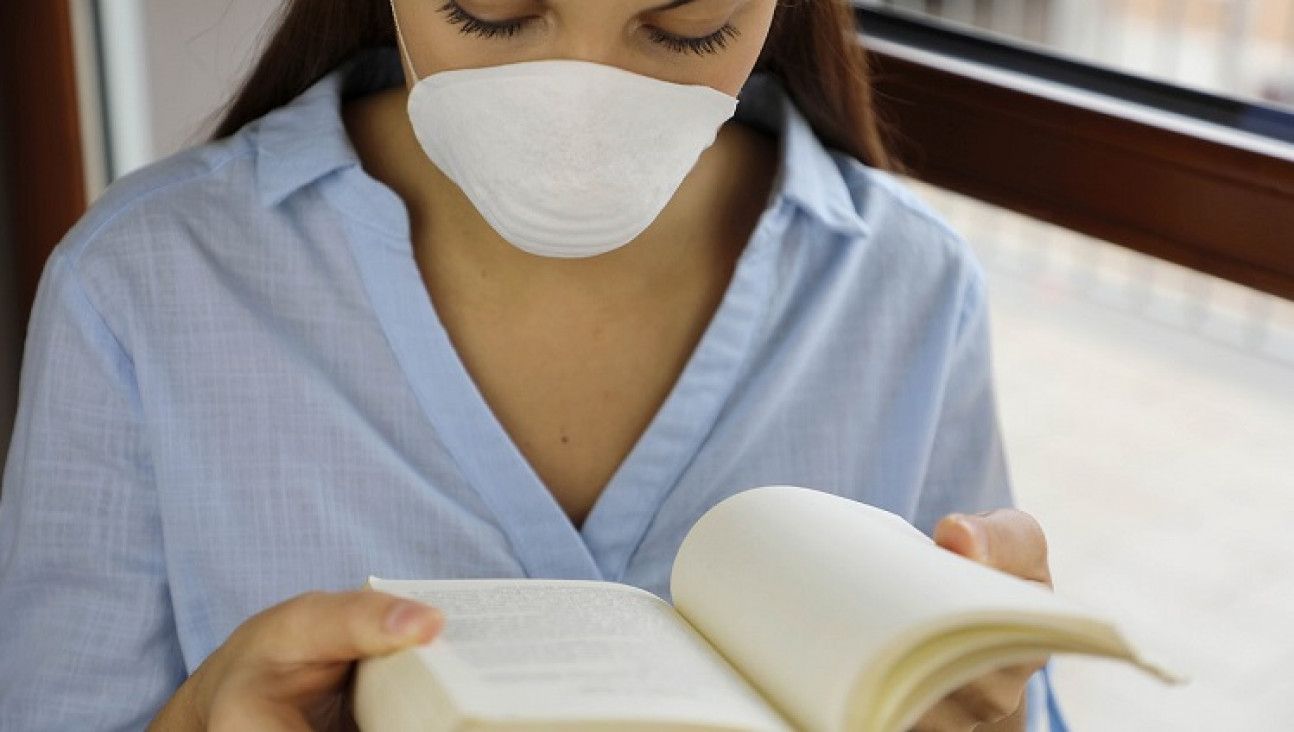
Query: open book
[[794, 609]]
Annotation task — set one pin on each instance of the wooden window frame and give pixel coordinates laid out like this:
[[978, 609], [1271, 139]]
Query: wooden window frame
[[40, 108], [1199, 180]]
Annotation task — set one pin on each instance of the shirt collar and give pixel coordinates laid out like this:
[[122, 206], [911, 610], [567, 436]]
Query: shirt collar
[[811, 177], [306, 140]]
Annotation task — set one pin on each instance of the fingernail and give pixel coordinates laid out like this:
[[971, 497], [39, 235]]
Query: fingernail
[[410, 619]]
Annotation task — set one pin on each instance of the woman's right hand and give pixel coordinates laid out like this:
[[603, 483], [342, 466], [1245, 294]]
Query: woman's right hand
[[287, 668]]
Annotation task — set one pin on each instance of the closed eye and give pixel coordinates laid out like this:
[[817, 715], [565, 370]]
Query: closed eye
[[701, 46], [473, 26], [710, 43]]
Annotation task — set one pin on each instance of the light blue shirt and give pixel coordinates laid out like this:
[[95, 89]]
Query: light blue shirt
[[236, 389]]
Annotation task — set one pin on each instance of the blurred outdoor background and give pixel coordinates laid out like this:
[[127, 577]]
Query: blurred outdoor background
[[1240, 48], [1148, 409]]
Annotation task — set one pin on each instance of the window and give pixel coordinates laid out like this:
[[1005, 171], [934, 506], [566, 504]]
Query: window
[[1145, 405], [1198, 179], [1238, 48]]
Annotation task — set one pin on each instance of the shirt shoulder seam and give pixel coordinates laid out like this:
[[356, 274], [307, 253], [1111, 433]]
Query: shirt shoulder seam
[[84, 242]]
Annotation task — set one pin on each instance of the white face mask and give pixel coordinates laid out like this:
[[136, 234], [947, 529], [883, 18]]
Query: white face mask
[[565, 158]]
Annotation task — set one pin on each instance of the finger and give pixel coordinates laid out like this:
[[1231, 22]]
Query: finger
[[1006, 539], [997, 695], [987, 700], [323, 627], [946, 716]]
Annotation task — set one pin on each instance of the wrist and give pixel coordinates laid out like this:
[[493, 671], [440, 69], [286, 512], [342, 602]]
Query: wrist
[[189, 708], [182, 711]]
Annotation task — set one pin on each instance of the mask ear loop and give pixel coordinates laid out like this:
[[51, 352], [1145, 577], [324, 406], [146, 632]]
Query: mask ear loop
[[399, 39]]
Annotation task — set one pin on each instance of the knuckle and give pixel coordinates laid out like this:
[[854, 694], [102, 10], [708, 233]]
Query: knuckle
[[359, 616], [311, 599], [355, 620], [989, 702], [293, 624], [1002, 705]]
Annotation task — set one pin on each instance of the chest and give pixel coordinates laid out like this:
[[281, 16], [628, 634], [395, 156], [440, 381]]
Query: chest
[[575, 388]]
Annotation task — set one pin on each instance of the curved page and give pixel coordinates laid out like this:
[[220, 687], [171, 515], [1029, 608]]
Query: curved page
[[815, 598]]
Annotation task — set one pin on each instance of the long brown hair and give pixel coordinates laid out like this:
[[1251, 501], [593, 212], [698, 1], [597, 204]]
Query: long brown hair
[[812, 47]]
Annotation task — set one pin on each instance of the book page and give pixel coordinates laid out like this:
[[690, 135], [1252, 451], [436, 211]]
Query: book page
[[539, 650], [814, 597]]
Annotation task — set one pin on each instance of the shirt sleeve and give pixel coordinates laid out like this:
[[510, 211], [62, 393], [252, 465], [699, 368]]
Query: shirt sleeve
[[88, 639], [1043, 712], [966, 470]]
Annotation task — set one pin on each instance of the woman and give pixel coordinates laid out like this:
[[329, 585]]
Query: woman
[[517, 298]]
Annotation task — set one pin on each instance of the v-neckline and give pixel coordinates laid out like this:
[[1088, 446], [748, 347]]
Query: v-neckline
[[545, 541]]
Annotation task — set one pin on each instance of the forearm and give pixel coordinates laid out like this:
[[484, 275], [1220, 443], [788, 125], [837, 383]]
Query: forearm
[[181, 712]]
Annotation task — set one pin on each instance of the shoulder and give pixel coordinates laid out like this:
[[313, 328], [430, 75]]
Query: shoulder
[[160, 206], [865, 216], [863, 240], [891, 242], [899, 221], [153, 226], [161, 196], [882, 197], [232, 208], [229, 205], [916, 242]]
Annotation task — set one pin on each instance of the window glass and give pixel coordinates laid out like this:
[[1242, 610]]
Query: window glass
[[1237, 48]]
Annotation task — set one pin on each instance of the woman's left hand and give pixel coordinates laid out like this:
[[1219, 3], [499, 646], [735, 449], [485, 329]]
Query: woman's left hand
[[1013, 542]]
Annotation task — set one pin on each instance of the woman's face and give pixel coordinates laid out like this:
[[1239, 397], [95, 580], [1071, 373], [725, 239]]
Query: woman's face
[[710, 42]]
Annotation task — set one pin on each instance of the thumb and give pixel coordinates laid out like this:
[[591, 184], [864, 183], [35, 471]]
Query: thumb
[[348, 626], [1006, 539]]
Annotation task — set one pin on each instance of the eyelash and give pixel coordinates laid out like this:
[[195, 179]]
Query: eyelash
[[703, 46], [470, 25]]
